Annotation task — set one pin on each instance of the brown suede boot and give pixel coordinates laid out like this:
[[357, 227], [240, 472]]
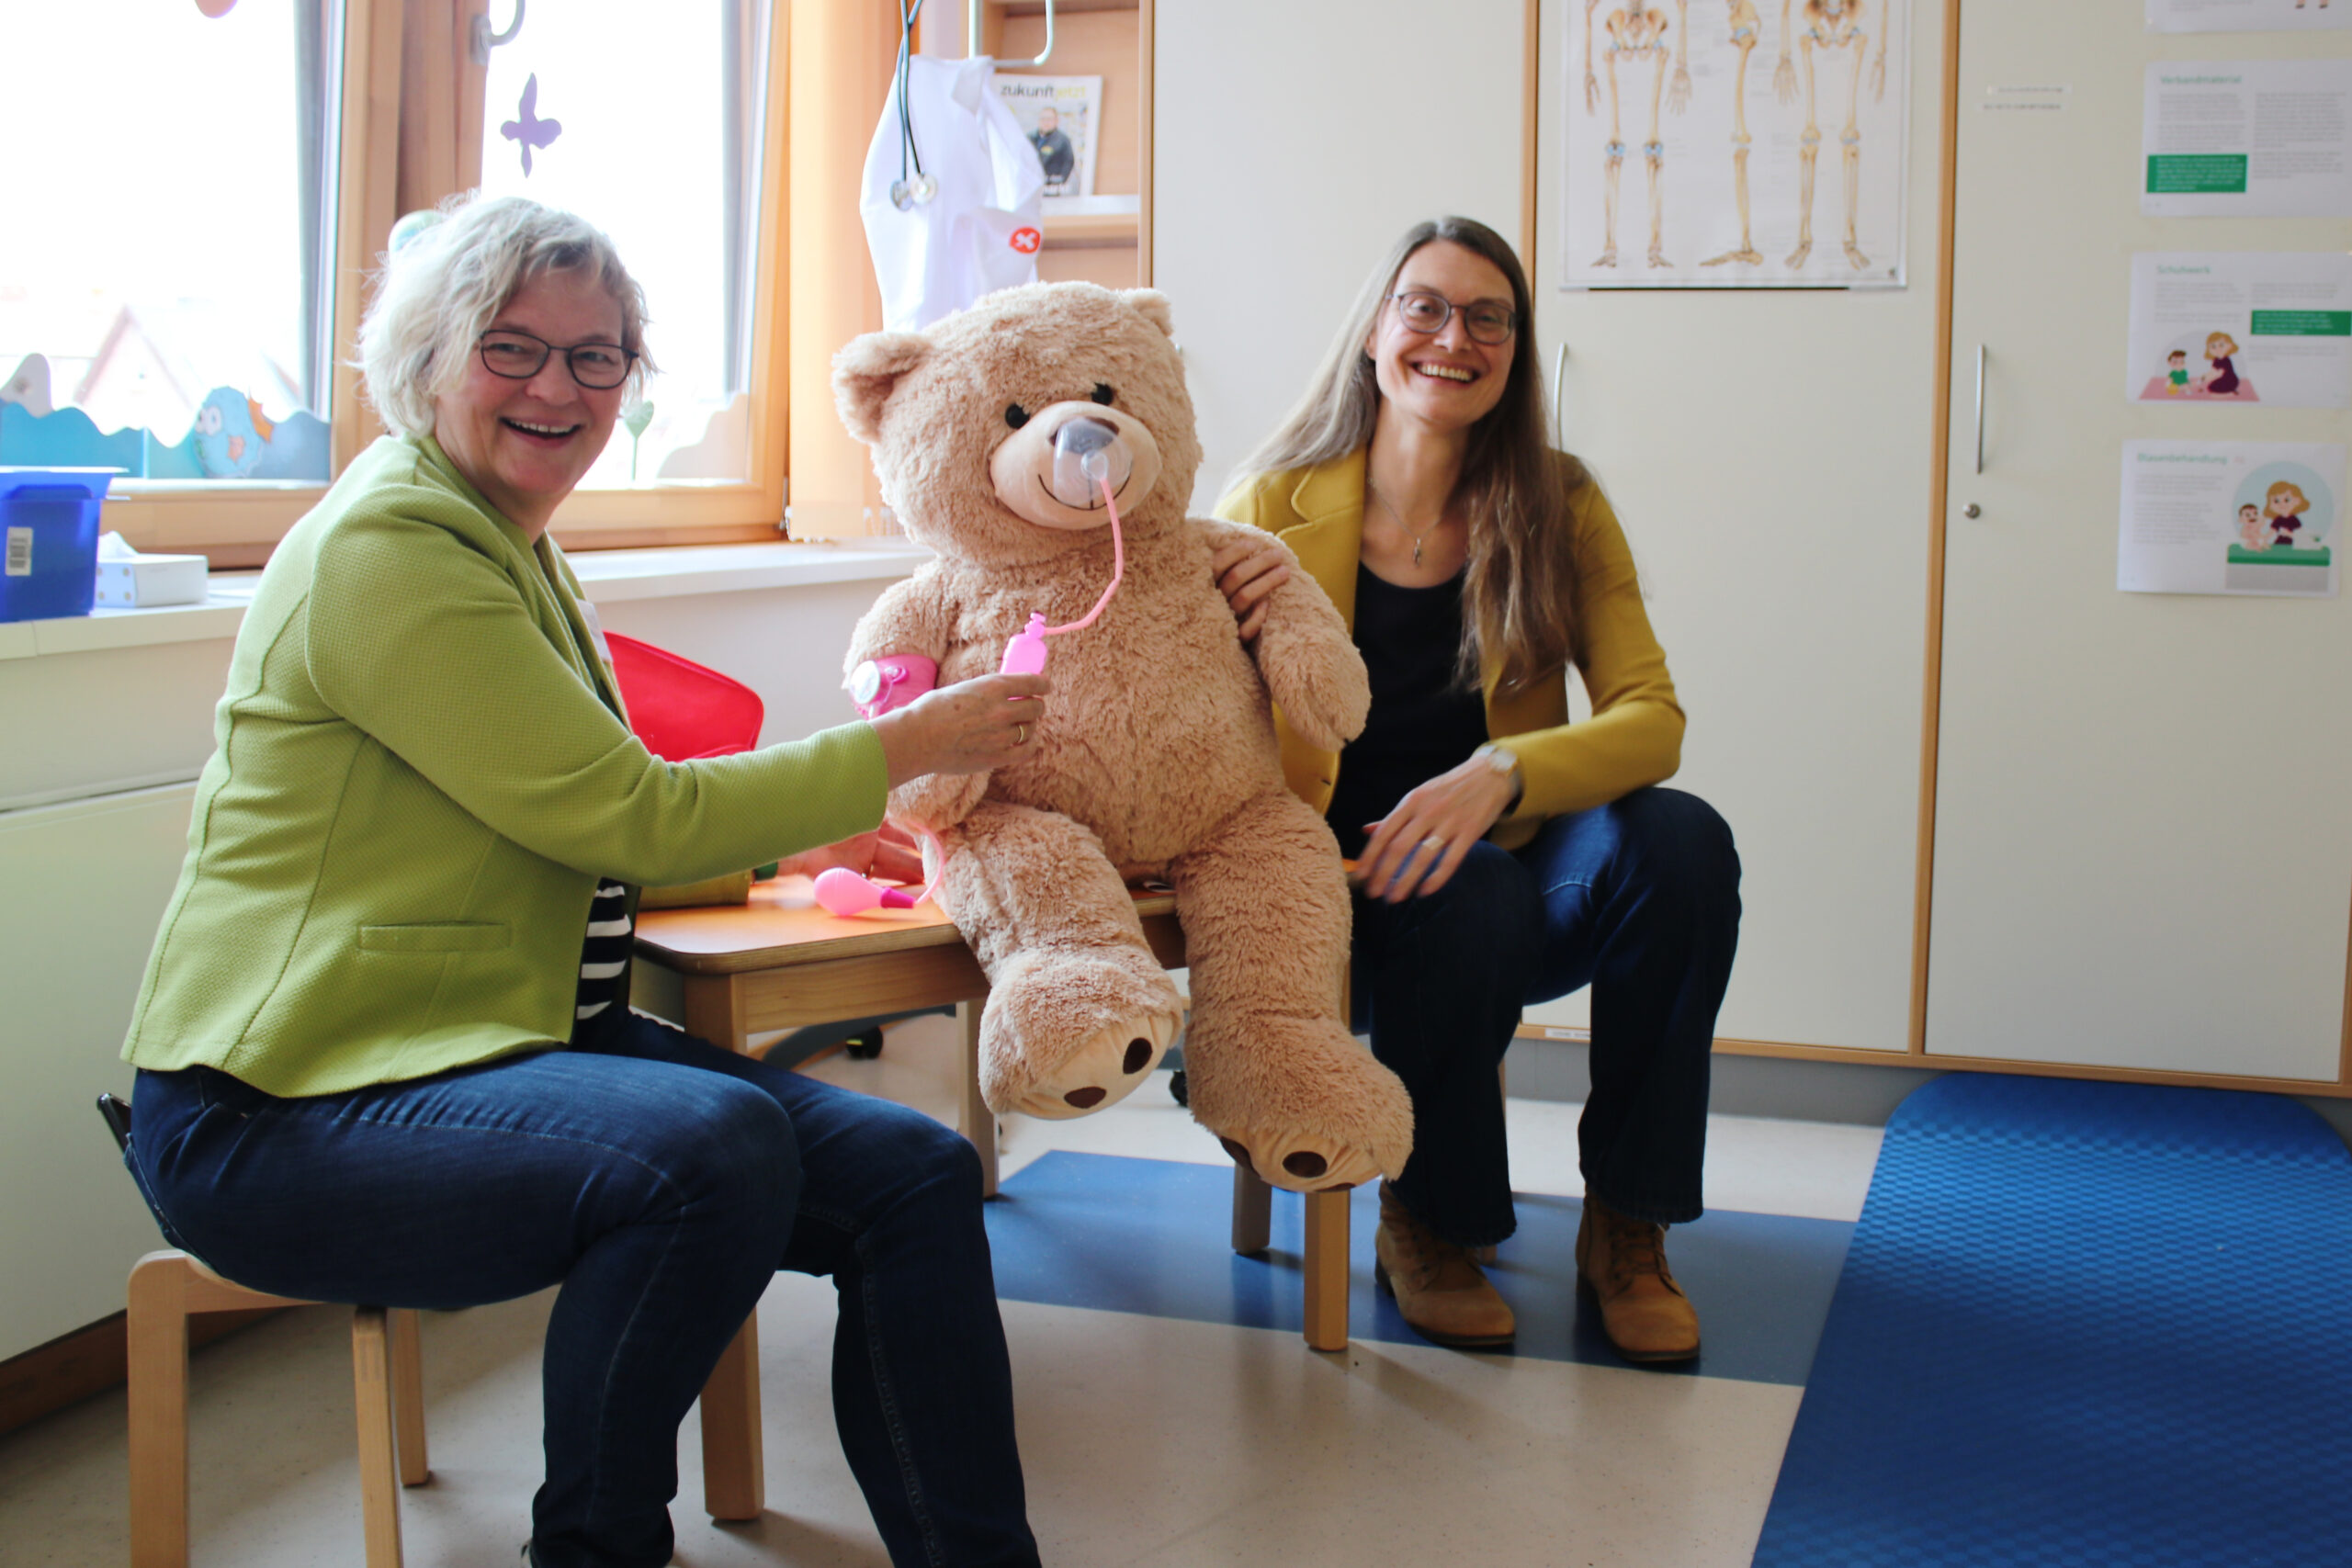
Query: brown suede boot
[[1622, 1262], [1437, 1289]]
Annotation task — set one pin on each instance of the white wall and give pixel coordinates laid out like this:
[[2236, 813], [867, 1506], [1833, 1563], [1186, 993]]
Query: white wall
[[1291, 144], [1767, 453]]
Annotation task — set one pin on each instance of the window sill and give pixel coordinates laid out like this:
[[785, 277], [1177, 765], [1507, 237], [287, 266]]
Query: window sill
[[609, 577]]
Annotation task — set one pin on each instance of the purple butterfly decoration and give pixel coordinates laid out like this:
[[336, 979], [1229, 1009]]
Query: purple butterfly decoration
[[531, 131]]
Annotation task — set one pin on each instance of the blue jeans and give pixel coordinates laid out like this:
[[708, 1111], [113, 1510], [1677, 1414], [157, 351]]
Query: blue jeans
[[1640, 900], [662, 1181]]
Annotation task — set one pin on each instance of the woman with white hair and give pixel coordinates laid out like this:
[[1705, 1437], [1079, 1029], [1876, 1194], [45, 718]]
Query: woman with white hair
[[384, 1044]]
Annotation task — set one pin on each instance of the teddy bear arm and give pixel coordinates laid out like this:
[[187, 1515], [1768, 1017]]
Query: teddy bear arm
[[938, 801], [912, 616], [1311, 666]]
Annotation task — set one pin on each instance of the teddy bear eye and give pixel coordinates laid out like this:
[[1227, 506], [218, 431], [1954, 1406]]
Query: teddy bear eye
[[1015, 415], [1103, 394]]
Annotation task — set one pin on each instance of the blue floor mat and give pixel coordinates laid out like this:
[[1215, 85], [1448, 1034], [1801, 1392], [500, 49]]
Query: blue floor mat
[[1154, 1237], [2084, 1324]]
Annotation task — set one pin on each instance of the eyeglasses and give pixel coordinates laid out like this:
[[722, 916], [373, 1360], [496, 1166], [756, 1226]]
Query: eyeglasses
[[1426, 312], [518, 356]]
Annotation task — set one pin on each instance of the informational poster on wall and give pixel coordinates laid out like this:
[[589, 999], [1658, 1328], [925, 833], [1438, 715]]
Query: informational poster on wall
[[2247, 138], [1703, 153], [2249, 15], [2257, 517], [2241, 327]]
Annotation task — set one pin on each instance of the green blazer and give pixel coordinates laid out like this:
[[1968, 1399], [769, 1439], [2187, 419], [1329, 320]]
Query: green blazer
[[1634, 736], [423, 768]]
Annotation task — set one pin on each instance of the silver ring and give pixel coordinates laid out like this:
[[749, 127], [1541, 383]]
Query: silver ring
[[1433, 844]]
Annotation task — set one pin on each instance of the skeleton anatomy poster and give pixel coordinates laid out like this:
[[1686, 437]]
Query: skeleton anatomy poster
[[1735, 143]]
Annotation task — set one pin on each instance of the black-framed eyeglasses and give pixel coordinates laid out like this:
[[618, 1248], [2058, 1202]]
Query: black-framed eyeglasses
[[1427, 312], [600, 366]]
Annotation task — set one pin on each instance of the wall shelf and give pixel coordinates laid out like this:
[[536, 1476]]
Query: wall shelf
[[1082, 230]]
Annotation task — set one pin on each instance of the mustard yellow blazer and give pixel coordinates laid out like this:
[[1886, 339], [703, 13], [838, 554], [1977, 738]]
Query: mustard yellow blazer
[[1634, 736]]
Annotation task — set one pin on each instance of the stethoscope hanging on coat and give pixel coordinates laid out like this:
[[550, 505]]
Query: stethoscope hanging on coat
[[906, 194]]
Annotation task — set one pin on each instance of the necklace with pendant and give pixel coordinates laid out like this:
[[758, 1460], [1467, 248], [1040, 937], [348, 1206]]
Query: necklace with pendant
[[1401, 523]]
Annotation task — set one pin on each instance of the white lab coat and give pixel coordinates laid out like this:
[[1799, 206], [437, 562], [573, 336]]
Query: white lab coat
[[981, 232]]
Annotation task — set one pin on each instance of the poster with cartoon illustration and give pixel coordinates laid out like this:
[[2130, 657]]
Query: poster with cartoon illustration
[[2241, 327], [1736, 145], [2249, 15], [2235, 517]]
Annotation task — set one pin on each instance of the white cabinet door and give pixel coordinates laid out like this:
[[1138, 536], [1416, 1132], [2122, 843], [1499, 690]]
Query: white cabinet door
[[2143, 851], [1770, 454]]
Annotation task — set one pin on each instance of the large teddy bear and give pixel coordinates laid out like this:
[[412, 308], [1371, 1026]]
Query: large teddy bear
[[1156, 759]]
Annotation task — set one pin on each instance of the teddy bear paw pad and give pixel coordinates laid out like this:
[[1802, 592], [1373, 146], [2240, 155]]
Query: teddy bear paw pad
[[1303, 1164], [1102, 1070]]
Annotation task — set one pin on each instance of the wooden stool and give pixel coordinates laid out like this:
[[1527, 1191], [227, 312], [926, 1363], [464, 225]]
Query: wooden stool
[[169, 1287], [387, 1376]]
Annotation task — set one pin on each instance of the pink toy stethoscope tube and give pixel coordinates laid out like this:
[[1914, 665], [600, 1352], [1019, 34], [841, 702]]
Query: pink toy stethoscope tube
[[842, 891]]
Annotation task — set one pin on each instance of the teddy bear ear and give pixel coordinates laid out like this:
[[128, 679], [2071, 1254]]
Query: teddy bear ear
[[866, 371], [1153, 306]]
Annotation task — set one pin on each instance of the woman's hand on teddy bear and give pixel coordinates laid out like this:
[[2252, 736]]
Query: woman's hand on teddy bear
[[972, 727], [1248, 572]]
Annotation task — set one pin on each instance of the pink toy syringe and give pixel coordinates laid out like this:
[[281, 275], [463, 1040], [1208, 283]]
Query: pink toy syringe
[[842, 891]]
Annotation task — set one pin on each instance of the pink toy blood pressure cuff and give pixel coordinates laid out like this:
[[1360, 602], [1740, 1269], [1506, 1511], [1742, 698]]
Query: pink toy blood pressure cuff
[[893, 681]]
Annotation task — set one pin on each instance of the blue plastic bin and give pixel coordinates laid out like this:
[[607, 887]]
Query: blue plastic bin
[[48, 523]]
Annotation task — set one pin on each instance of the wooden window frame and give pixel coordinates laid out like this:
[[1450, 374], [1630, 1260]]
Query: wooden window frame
[[409, 130]]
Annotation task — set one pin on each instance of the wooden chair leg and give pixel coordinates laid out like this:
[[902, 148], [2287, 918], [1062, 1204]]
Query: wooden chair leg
[[371, 1376], [1253, 1212], [1327, 1269], [734, 1471], [408, 1395], [973, 1117], [156, 1328]]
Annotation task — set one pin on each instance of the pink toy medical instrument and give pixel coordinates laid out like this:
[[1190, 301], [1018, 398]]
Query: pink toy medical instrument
[[879, 685]]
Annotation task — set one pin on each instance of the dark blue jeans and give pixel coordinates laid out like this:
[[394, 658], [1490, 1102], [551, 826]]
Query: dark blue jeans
[[1640, 900], [662, 1181]]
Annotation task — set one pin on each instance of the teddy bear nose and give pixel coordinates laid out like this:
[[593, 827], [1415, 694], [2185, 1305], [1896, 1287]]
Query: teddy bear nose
[[1087, 455], [1084, 435]]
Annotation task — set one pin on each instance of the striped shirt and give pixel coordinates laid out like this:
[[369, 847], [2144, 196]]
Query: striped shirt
[[603, 955]]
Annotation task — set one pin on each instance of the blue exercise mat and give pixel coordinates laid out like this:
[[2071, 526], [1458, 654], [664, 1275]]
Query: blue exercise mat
[[1155, 1237], [2084, 1324]]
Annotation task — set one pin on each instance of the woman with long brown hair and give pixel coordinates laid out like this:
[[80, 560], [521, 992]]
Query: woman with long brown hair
[[1504, 857]]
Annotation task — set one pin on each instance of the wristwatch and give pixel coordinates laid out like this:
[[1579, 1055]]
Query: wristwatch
[[1504, 764]]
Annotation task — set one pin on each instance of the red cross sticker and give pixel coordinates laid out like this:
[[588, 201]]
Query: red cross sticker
[[1026, 240]]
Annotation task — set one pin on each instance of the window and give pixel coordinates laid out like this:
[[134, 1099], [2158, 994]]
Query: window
[[166, 298], [183, 257], [644, 121]]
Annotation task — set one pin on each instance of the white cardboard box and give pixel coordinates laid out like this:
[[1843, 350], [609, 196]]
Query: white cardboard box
[[145, 582]]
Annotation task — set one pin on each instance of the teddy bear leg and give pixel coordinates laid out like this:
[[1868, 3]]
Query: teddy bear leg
[[1271, 1068], [1078, 1010]]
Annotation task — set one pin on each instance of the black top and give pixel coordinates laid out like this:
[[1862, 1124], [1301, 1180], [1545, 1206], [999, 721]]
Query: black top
[[1423, 720]]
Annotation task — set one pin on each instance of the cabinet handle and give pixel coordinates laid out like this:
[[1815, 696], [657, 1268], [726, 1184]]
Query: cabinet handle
[[1559, 386], [1980, 408]]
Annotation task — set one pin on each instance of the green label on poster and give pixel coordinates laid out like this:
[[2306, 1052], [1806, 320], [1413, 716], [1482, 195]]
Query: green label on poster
[[2303, 324], [2196, 174]]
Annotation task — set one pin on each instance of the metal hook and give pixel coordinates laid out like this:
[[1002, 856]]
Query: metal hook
[[484, 40], [972, 30]]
